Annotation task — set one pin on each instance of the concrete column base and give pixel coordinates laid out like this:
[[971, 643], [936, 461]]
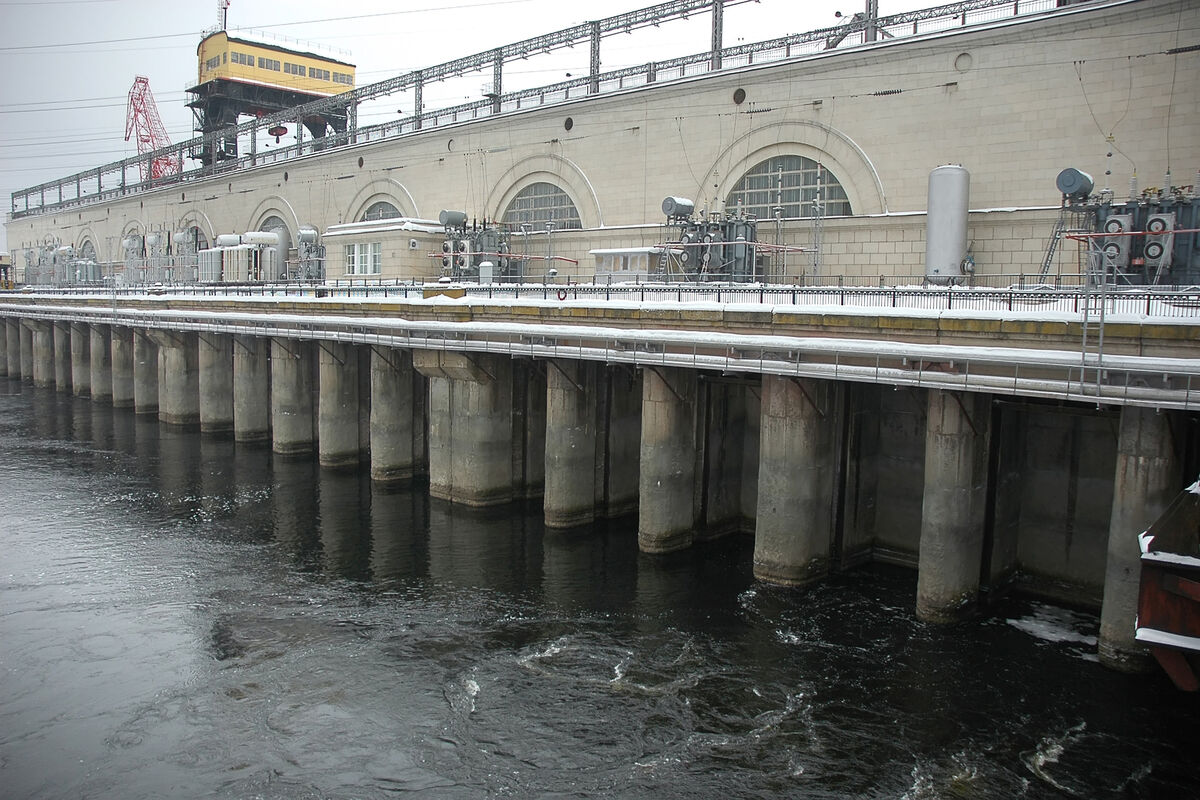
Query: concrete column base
[[251, 389], [1147, 479], [797, 462], [145, 373], [100, 351], [338, 444], [121, 340], [573, 483], [41, 354], [215, 382], [81, 359], [394, 456], [668, 495], [470, 427], [292, 397], [62, 356], [178, 378], [952, 510], [25, 341]]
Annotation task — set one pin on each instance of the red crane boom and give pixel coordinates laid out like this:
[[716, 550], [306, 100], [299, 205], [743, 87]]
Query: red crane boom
[[142, 119]]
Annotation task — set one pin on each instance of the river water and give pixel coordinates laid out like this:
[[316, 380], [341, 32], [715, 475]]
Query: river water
[[182, 617]]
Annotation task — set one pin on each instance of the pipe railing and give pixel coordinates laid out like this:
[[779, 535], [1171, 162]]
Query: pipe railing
[[1183, 303], [1160, 382]]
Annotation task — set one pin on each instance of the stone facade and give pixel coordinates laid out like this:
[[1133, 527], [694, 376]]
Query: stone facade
[[1014, 102]]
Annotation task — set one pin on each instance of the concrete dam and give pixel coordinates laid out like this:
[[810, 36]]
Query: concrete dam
[[985, 450]]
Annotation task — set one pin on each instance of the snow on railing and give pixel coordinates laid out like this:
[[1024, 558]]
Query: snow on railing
[[1048, 303]]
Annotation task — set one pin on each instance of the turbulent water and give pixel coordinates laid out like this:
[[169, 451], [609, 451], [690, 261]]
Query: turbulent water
[[181, 617]]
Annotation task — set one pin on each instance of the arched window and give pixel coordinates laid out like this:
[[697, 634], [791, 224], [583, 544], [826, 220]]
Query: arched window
[[381, 210], [190, 241], [87, 251], [793, 183], [539, 203]]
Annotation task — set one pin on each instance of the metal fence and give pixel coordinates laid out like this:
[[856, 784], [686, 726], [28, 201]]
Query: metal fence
[[1045, 301]]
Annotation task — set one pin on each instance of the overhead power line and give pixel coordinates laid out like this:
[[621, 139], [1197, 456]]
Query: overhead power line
[[192, 34]]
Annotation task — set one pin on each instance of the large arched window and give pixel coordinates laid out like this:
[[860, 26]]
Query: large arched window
[[381, 210], [190, 241], [793, 183], [539, 203]]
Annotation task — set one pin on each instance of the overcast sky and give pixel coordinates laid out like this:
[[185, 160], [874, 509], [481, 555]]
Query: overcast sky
[[67, 65]]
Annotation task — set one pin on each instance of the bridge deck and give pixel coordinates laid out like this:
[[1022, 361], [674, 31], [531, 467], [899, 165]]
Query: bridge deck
[[1147, 360]]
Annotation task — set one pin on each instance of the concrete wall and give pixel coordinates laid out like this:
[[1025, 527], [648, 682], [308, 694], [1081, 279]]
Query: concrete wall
[[879, 118], [1066, 496]]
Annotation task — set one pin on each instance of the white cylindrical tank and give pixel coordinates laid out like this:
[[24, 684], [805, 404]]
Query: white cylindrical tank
[[946, 223], [228, 240], [260, 237]]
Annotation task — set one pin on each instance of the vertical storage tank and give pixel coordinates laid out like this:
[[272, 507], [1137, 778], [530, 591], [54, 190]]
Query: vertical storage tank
[[946, 223]]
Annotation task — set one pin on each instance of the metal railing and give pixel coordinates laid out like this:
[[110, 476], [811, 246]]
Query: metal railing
[[1047, 302], [994, 367]]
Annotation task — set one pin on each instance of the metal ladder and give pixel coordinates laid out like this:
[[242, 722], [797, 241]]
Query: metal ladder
[[1069, 221]]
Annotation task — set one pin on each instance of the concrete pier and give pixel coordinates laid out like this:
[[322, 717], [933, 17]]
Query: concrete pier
[[4, 370], [81, 359], [291, 397], [796, 469], [12, 347], [574, 443], [337, 409], [121, 340], [100, 367], [25, 335], [215, 382], [1147, 479], [145, 373], [394, 453], [470, 426], [62, 356], [668, 508], [41, 353], [251, 389], [953, 505], [178, 377]]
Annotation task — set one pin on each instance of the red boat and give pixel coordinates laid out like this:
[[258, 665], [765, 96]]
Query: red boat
[[1168, 618]]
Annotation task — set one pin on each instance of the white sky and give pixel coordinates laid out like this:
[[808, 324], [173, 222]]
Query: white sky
[[67, 65]]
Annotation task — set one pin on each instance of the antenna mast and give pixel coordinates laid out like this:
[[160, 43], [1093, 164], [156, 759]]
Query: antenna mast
[[222, 13]]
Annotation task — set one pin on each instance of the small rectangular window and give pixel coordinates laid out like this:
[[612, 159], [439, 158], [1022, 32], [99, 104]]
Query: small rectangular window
[[365, 258]]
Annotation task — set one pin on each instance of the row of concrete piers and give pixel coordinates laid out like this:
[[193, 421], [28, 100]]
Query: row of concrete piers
[[695, 454]]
